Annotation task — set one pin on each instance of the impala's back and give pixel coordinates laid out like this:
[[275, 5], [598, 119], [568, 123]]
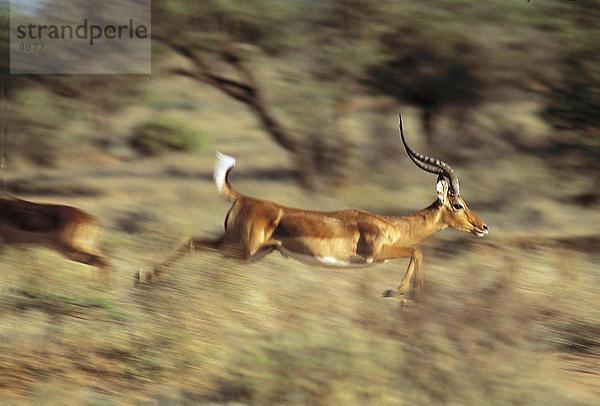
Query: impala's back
[[22, 220]]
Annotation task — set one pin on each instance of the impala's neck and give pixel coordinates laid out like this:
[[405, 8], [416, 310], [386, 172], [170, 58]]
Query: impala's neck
[[413, 228]]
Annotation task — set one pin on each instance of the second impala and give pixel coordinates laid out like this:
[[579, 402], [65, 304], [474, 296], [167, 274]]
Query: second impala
[[345, 238]]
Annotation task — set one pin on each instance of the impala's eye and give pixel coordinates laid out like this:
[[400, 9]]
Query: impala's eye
[[457, 206]]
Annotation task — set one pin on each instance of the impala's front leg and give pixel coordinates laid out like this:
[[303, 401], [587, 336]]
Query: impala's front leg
[[413, 269]]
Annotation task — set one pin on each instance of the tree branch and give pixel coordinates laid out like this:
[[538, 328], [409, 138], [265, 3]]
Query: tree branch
[[247, 93]]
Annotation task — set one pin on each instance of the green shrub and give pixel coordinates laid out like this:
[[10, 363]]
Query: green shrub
[[158, 136], [35, 124]]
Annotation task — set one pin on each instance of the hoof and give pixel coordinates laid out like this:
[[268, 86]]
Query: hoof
[[142, 277], [137, 278], [389, 293], [406, 302]]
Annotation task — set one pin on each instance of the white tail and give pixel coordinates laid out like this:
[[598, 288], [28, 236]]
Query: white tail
[[222, 168]]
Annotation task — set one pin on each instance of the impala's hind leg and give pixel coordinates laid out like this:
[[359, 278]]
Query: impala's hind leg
[[90, 258], [262, 251], [187, 248]]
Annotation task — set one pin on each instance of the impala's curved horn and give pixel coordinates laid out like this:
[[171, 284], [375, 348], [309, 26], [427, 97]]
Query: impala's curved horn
[[429, 164]]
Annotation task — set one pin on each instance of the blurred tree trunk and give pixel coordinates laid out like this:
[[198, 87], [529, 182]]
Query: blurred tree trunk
[[428, 116], [342, 108]]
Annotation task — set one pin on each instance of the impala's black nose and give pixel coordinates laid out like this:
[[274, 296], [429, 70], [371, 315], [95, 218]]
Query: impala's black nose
[[485, 227]]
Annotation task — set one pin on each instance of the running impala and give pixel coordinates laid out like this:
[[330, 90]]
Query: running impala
[[68, 230], [346, 238]]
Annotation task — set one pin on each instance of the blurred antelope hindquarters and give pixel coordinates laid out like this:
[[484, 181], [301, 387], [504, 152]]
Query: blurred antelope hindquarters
[[340, 239], [68, 230]]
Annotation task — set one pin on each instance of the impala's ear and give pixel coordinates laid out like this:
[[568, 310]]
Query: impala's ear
[[441, 188]]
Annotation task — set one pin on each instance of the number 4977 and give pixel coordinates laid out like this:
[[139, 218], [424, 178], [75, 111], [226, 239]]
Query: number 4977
[[32, 46]]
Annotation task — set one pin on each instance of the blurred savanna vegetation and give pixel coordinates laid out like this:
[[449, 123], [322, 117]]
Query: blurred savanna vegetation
[[306, 95]]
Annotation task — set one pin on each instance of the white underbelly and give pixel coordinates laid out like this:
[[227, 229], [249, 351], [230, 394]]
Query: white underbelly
[[327, 261]]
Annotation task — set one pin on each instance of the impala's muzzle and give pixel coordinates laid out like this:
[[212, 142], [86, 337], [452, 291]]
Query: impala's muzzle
[[480, 232]]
